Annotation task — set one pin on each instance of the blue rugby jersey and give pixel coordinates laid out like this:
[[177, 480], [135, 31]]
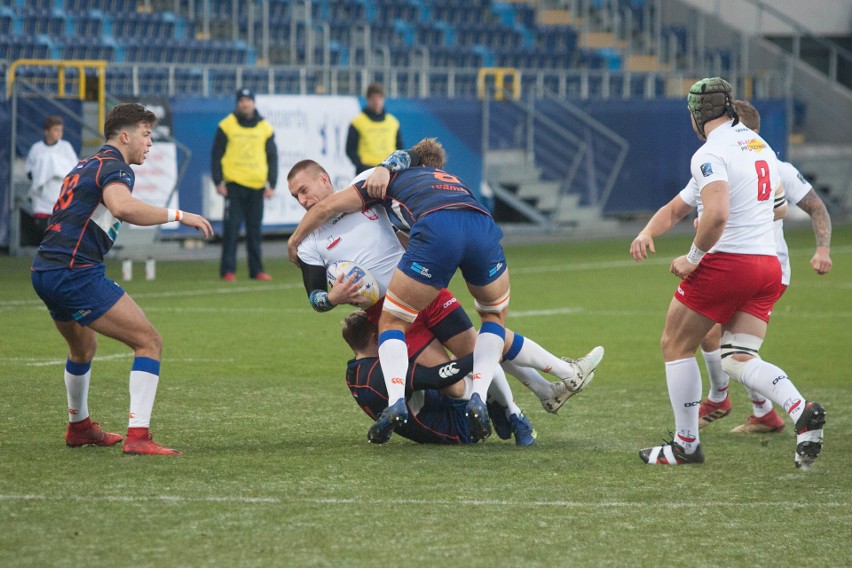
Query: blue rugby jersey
[[81, 229], [441, 420], [415, 192]]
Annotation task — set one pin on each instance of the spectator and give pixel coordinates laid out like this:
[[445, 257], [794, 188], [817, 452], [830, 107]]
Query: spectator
[[47, 163], [373, 134], [244, 166]]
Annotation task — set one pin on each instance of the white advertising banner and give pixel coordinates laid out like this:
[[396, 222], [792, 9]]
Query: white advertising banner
[[156, 178], [306, 127]]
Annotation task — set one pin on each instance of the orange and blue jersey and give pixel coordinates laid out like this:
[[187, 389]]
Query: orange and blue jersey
[[82, 229], [440, 420], [415, 192]]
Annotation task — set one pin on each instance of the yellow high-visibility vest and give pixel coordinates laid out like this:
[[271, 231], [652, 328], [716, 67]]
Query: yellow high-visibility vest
[[376, 140], [244, 161]]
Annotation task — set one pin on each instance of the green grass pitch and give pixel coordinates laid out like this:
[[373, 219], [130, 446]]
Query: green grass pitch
[[278, 472]]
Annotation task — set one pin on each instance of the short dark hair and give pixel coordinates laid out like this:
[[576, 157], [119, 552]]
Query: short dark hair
[[127, 115], [53, 120], [375, 89], [431, 153], [299, 167], [358, 330]]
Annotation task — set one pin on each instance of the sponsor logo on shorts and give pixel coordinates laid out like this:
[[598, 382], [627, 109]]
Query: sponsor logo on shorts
[[706, 169], [449, 303], [397, 381], [420, 269], [80, 314], [496, 269], [448, 371], [680, 291]]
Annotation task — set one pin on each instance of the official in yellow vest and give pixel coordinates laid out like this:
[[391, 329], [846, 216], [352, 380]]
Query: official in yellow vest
[[244, 168], [373, 134]]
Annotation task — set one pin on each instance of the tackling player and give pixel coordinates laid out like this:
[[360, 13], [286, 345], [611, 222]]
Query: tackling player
[[68, 274]]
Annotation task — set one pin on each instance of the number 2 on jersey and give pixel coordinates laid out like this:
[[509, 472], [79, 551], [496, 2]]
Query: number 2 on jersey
[[67, 193], [764, 186]]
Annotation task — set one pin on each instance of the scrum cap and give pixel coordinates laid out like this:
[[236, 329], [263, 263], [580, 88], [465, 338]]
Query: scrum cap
[[711, 98]]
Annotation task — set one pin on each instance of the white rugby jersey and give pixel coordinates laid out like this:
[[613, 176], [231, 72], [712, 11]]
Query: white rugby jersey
[[48, 165], [742, 158], [366, 238], [795, 189]]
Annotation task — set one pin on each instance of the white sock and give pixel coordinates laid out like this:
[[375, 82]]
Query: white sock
[[718, 378], [773, 383], [501, 393], [486, 356], [684, 381], [393, 358], [144, 378], [760, 406], [530, 378], [77, 377], [526, 352]]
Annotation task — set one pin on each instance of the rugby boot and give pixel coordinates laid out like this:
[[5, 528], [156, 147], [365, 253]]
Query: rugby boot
[[768, 423], [671, 453], [391, 417], [88, 433], [525, 434], [584, 372], [502, 425], [139, 442], [477, 415], [809, 435], [710, 411]]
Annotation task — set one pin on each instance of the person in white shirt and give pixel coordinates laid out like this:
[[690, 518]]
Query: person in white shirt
[[797, 190], [47, 163], [730, 276]]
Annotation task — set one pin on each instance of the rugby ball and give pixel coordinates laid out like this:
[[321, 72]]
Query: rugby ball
[[369, 289]]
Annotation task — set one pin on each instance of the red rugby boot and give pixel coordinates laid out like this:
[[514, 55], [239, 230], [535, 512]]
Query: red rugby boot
[[87, 433]]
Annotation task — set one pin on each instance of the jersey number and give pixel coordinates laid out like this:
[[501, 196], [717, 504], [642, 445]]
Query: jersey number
[[67, 194], [764, 187]]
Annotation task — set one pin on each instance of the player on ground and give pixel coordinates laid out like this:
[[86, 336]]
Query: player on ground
[[731, 276], [68, 274], [367, 238], [798, 191], [435, 395]]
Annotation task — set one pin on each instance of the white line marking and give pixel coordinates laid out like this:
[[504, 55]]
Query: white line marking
[[359, 502], [39, 362]]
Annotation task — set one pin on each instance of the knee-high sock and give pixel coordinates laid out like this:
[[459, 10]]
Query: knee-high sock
[[501, 393], [77, 377], [393, 358], [683, 379], [773, 383], [530, 378], [144, 377], [486, 356], [760, 405], [718, 378], [526, 352]]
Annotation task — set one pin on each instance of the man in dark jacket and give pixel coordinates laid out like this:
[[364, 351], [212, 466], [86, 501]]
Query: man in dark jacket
[[244, 167], [374, 134]]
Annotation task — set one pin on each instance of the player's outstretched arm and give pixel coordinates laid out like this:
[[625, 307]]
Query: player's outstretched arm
[[821, 221], [125, 207], [347, 200], [377, 182], [664, 219]]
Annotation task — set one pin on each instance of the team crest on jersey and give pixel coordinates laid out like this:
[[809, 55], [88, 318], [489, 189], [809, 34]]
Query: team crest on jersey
[[370, 214], [333, 242], [706, 169]]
